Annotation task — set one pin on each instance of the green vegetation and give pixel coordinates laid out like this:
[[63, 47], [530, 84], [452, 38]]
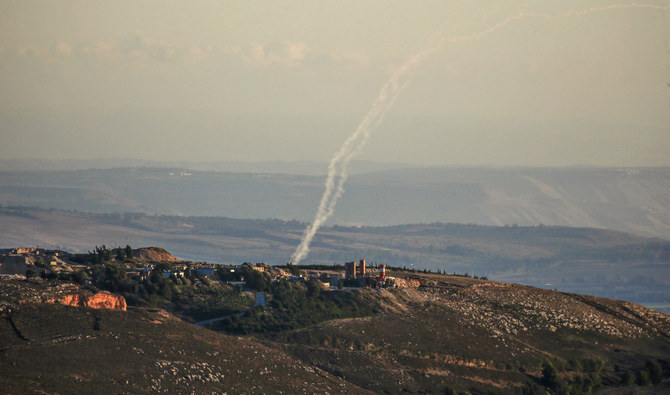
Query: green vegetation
[[190, 297], [254, 279], [578, 377], [292, 304], [296, 305]]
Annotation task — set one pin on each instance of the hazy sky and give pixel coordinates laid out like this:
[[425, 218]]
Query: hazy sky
[[290, 80]]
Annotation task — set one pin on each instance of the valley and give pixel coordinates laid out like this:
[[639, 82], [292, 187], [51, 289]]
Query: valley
[[628, 200]]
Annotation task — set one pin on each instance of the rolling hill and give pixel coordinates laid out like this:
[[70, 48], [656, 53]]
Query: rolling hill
[[448, 335], [628, 200]]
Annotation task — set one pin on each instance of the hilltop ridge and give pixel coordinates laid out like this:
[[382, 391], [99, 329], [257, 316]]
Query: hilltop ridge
[[438, 333]]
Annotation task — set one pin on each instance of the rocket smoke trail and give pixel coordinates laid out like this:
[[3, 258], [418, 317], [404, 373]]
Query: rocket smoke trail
[[338, 167]]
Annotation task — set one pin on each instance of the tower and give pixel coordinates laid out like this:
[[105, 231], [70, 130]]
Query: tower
[[361, 268]]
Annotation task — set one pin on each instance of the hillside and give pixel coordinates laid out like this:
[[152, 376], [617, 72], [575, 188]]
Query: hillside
[[628, 200], [581, 260], [448, 335], [51, 348], [460, 334]]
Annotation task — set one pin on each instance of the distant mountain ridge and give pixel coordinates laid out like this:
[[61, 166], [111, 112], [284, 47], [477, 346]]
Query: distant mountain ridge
[[630, 200], [273, 167]]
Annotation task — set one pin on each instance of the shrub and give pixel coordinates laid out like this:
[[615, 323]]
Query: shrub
[[655, 371], [575, 365], [80, 277], [643, 377], [628, 378], [549, 376], [594, 365]]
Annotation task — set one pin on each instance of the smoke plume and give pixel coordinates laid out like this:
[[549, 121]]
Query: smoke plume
[[339, 164]]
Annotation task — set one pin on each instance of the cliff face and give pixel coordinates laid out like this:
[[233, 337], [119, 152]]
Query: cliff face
[[15, 293], [99, 300]]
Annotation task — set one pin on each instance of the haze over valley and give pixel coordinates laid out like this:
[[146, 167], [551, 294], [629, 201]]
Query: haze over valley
[[633, 200], [463, 197]]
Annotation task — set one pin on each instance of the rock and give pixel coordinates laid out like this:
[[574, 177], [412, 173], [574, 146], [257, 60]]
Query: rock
[[404, 283], [99, 300]]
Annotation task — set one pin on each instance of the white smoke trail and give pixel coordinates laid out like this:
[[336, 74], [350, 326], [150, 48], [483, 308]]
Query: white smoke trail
[[338, 167]]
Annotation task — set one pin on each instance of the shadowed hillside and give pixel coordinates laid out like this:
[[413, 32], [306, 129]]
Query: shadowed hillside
[[50, 348]]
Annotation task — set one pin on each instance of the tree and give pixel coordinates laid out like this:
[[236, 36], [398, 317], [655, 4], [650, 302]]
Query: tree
[[31, 273], [227, 274], [80, 277], [255, 279], [101, 254], [313, 287], [164, 267], [655, 371], [39, 262], [113, 278], [293, 269], [549, 376], [129, 251], [628, 378], [120, 254], [643, 377]]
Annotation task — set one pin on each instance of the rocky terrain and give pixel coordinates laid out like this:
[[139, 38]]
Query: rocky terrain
[[65, 293], [462, 334], [433, 334], [54, 348]]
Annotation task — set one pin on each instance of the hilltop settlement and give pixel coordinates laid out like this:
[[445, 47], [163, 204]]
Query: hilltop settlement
[[139, 320], [139, 265]]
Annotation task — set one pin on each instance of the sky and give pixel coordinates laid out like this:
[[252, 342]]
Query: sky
[[514, 83]]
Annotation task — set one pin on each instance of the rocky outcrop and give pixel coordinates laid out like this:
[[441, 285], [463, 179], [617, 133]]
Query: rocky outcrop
[[99, 300], [154, 254], [404, 282]]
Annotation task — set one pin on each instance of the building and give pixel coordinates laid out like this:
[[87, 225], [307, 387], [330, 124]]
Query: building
[[361, 268]]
